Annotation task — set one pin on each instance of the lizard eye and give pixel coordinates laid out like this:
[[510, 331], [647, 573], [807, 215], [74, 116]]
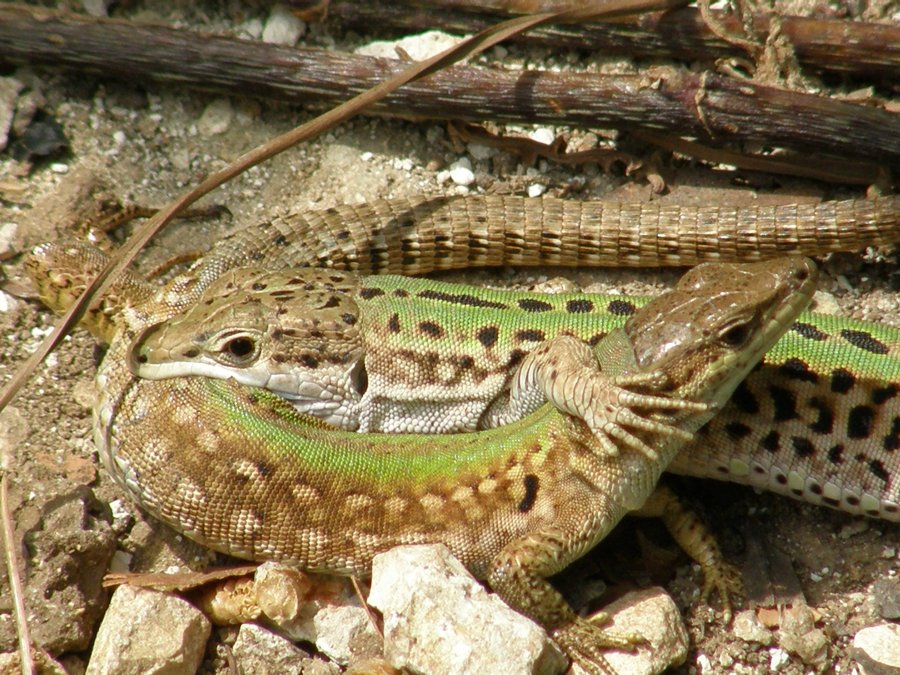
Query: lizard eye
[[736, 335], [239, 348]]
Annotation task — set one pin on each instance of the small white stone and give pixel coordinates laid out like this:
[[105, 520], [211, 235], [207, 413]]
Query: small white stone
[[402, 164], [59, 167], [536, 190], [480, 152], [283, 27], [704, 664], [366, 156], [8, 232], [216, 117], [542, 135], [778, 658], [258, 650], [418, 47], [748, 628], [118, 510], [95, 7], [461, 172], [119, 137], [880, 644], [252, 28], [435, 613], [146, 631], [442, 177], [120, 563], [7, 302]]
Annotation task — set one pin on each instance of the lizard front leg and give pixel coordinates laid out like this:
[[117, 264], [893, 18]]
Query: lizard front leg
[[516, 574], [565, 371]]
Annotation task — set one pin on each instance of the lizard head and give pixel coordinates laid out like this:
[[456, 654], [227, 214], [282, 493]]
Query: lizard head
[[719, 314], [295, 330]]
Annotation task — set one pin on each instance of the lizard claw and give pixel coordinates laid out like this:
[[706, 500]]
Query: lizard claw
[[585, 641]]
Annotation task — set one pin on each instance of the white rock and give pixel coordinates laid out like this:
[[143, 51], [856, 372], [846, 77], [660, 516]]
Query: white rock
[[877, 649], [542, 135], [536, 190], [8, 232], [258, 650], [438, 618], [252, 28], [95, 7], [343, 633], [9, 95], [651, 613], [418, 47], [7, 303], [216, 117], [283, 27], [461, 172], [145, 632], [749, 629], [778, 658], [480, 152]]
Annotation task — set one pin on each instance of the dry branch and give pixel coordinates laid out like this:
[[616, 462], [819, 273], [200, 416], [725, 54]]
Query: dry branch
[[864, 49], [710, 107]]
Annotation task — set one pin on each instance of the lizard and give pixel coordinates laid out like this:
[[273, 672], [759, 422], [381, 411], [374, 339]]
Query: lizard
[[515, 504], [819, 421]]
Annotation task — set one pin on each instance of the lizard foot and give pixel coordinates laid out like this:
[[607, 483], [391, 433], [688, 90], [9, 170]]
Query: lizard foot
[[725, 579], [585, 641], [616, 407], [608, 406]]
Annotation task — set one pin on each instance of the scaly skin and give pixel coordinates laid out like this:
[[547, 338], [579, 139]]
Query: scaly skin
[[241, 472], [820, 421], [823, 415]]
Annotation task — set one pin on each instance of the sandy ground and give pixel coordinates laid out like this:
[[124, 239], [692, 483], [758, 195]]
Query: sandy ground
[[146, 143]]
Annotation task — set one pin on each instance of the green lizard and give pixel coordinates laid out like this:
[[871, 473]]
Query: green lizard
[[820, 421], [242, 472]]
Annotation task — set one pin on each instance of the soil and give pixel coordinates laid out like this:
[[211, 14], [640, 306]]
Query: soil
[[146, 143]]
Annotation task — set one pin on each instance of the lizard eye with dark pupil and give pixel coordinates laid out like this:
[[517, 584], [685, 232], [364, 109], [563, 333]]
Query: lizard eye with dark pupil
[[239, 347], [736, 336]]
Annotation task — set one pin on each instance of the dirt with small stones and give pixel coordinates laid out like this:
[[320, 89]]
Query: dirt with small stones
[[146, 143]]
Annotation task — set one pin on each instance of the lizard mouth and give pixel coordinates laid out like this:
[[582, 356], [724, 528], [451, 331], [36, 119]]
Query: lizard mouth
[[134, 359]]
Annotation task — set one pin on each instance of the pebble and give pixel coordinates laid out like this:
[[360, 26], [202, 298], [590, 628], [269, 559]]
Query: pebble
[[877, 649], [257, 650], [418, 47], [542, 135], [536, 190], [748, 628], [9, 95], [480, 152], [147, 631], [7, 303], [436, 619], [778, 658], [283, 27], [216, 117], [8, 232], [461, 172]]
